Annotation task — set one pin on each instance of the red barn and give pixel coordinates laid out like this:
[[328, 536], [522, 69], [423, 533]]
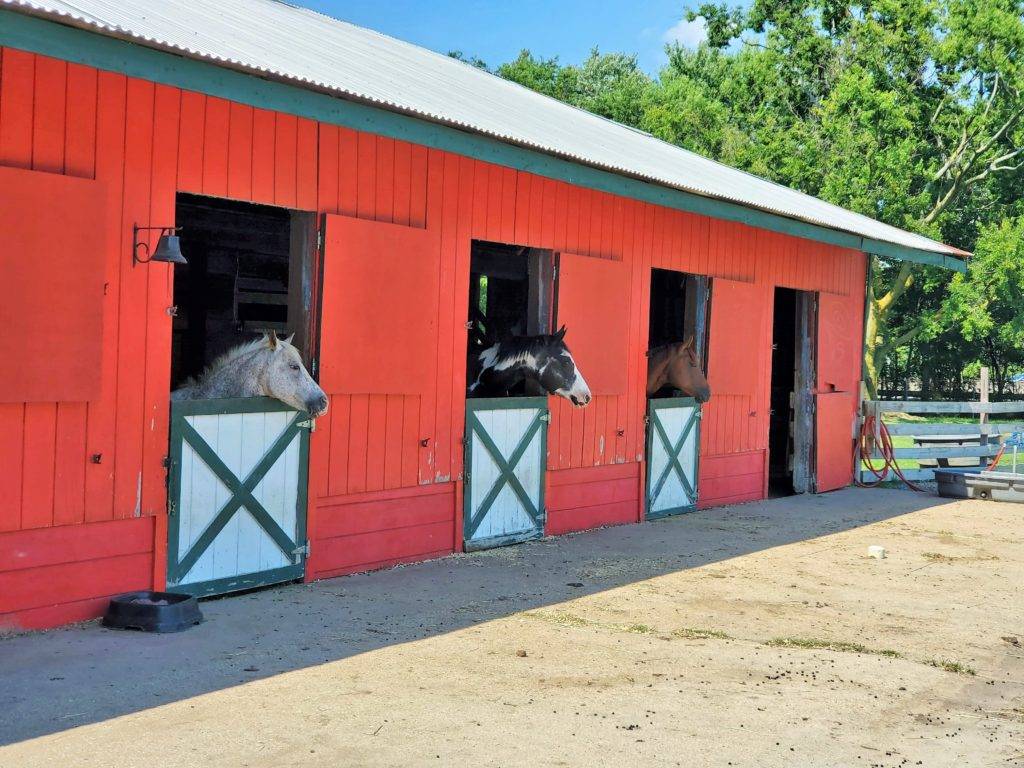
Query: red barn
[[384, 203]]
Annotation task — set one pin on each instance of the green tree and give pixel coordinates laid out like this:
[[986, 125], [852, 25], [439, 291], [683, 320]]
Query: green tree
[[987, 304], [902, 108], [608, 84], [909, 111]]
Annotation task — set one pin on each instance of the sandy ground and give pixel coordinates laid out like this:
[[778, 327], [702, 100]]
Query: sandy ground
[[758, 635]]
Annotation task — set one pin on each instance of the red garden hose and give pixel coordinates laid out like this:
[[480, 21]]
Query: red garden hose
[[998, 457], [864, 445]]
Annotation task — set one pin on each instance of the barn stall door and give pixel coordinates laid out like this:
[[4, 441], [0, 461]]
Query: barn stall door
[[506, 451], [378, 330], [237, 501], [838, 381], [53, 252], [673, 440], [593, 304]]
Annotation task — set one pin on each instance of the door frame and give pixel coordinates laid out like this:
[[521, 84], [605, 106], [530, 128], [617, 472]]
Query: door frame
[[805, 387]]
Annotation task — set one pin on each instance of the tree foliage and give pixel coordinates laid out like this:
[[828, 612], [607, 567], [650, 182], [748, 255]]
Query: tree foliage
[[909, 111]]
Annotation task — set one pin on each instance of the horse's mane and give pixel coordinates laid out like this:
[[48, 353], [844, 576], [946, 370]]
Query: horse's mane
[[519, 344], [513, 347], [222, 361]]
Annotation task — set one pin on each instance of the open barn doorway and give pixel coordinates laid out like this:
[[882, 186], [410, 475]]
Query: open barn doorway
[[238, 466], [791, 424], [678, 312], [250, 270], [678, 318], [511, 291]]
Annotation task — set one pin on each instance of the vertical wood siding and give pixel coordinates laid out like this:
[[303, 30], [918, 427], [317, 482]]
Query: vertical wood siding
[[149, 141]]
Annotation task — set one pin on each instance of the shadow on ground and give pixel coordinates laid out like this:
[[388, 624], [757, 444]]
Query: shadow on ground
[[61, 679]]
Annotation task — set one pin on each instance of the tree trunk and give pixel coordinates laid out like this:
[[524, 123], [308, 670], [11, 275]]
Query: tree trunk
[[876, 329]]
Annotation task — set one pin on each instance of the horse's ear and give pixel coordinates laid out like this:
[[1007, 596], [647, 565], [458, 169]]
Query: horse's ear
[[691, 351], [289, 339], [560, 333], [271, 338]]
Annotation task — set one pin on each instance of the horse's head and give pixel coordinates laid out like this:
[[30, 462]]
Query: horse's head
[[557, 370], [285, 378], [683, 372]]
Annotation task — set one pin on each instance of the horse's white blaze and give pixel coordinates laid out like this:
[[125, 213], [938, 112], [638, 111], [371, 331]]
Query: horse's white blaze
[[578, 391]]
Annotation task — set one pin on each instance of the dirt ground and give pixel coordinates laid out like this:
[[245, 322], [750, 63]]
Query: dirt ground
[[757, 635]]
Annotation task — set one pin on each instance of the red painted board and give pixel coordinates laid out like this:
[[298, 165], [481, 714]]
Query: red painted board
[[379, 324], [593, 304], [835, 415], [839, 342], [52, 275], [733, 359], [64, 544], [586, 518]]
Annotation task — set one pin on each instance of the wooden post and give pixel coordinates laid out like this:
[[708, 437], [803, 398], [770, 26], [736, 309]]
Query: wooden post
[[983, 417]]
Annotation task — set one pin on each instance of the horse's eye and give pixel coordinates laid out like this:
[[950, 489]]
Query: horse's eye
[[294, 366]]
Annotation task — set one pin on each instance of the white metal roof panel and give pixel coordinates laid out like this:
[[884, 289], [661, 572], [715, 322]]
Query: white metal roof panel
[[300, 45]]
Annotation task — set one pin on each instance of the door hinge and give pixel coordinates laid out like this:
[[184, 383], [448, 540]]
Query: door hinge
[[172, 508], [319, 239], [546, 417], [302, 551], [309, 424]]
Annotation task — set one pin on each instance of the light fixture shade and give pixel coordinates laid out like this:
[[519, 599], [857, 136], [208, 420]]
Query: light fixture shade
[[168, 250]]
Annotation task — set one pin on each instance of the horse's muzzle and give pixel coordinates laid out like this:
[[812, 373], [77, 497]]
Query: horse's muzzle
[[317, 406], [579, 401]]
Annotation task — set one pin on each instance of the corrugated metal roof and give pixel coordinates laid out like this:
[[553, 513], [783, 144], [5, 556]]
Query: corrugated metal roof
[[299, 45]]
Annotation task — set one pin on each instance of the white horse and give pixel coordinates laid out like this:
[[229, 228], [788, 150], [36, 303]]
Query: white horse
[[267, 366]]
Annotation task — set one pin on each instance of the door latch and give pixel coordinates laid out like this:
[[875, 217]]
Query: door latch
[[299, 552]]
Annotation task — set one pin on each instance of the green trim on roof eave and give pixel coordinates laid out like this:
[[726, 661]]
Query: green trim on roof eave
[[892, 251], [49, 38]]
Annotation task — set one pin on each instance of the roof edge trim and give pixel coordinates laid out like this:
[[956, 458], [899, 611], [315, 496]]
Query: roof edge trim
[[62, 40]]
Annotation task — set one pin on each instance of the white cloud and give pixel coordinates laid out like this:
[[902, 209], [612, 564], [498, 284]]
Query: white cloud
[[687, 33]]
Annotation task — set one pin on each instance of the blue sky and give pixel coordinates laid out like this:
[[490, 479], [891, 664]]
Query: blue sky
[[496, 31]]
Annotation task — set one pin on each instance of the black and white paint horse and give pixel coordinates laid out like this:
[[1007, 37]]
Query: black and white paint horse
[[543, 359]]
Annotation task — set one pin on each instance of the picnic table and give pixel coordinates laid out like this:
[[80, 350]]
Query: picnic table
[[955, 440]]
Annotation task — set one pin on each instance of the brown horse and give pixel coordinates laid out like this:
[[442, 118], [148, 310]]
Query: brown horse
[[677, 365]]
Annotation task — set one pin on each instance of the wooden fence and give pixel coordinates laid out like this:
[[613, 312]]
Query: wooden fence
[[941, 442]]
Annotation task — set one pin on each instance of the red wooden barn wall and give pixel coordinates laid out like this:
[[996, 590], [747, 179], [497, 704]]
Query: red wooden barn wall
[[73, 531]]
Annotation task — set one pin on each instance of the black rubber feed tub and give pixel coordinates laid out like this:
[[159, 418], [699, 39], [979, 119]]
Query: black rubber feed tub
[[152, 612]]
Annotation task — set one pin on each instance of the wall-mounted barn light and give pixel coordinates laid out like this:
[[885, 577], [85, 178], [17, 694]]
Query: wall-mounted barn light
[[168, 247]]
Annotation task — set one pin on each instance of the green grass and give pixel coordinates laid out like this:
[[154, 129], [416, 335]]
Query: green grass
[[812, 643], [695, 633], [952, 666]]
